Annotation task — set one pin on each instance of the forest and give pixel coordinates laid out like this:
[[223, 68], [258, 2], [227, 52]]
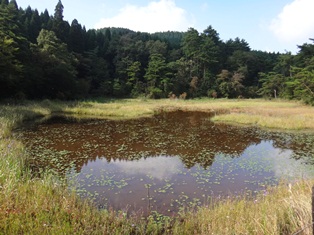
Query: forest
[[45, 57]]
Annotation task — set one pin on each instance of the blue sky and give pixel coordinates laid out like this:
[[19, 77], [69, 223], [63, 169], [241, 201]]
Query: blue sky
[[268, 25]]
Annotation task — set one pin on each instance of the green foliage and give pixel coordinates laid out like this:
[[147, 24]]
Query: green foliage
[[156, 76], [4, 2], [230, 84], [156, 47], [173, 39], [57, 66], [76, 62], [58, 16], [303, 84], [293, 77], [10, 37], [76, 37], [273, 84], [134, 76], [284, 63], [59, 26], [191, 43], [305, 56]]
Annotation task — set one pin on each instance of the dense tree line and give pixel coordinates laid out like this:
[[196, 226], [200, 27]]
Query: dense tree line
[[43, 56]]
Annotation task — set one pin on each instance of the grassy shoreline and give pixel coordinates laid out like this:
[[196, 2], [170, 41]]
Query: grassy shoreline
[[43, 205], [279, 114]]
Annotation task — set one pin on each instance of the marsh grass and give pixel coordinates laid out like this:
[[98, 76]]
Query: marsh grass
[[276, 115], [118, 109], [279, 114], [279, 210], [43, 205], [12, 116]]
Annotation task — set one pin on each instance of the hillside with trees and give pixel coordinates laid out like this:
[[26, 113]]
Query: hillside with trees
[[44, 56]]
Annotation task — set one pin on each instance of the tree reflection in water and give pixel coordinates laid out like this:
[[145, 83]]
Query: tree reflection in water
[[182, 156]]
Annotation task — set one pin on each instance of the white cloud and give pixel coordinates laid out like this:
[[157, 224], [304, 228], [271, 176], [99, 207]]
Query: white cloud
[[161, 167], [295, 23], [159, 16]]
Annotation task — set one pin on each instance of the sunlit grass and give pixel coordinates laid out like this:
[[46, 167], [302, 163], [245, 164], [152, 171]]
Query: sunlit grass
[[13, 116], [278, 115], [43, 205], [117, 109], [280, 210]]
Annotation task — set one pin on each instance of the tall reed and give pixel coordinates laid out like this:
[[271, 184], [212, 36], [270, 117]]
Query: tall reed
[[279, 210]]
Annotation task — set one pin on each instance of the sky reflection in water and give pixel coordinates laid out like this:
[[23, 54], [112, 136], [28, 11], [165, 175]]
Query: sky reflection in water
[[165, 162], [171, 184]]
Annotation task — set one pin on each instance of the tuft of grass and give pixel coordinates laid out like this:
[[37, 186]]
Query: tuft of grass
[[296, 122], [284, 115], [118, 109], [11, 116], [281, 210]]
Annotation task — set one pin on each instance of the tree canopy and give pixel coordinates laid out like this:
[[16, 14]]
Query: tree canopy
[[44, 56]]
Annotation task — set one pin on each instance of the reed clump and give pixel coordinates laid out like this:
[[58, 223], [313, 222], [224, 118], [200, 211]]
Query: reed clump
[[281, 210]]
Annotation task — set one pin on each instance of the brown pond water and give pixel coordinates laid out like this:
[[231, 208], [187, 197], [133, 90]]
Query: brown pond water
[[165, 162]]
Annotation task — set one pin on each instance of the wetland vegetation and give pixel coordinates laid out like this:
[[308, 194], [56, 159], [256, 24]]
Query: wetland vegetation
[[248, 163], [42, 203]]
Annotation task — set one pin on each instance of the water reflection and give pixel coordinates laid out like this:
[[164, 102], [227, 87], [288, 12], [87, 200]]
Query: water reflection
[[159, 167], [165, 162]]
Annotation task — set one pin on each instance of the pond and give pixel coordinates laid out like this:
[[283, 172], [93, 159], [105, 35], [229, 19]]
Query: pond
[[165, 163]]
